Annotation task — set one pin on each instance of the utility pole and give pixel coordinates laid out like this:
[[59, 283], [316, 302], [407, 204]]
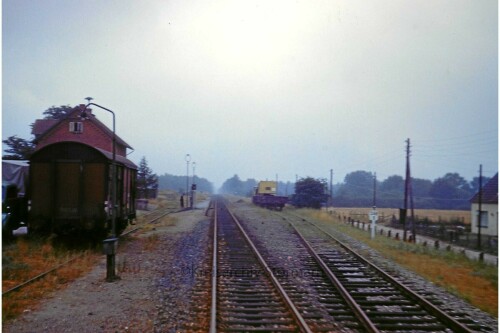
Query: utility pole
[[375, 190], [331, 188], [480, 202], [373, 213], [407, 187]]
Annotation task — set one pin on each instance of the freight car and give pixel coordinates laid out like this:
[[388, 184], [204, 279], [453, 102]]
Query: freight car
[[265, 196], [70, 190]]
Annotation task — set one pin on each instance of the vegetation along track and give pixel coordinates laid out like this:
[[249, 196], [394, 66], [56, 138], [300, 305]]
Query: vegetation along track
[[382, 303], [245, 294], [152, 217]]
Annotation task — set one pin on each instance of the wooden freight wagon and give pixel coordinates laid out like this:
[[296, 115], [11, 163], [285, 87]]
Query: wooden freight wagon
[[70, 189]]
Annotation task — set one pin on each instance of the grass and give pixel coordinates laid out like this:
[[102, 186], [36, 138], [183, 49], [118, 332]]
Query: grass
[[473, 281], [27, 258]]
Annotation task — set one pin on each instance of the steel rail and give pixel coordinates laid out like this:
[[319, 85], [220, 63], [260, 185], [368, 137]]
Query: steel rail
[[149, 222], [368, 325], [213, 311], [428, 306], [298, 317], [42, 275]]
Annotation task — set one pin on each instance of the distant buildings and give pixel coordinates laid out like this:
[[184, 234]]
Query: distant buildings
[[489, 209]]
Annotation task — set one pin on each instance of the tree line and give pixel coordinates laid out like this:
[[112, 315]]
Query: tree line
[[246, 188], [450, 191], [178, 183]]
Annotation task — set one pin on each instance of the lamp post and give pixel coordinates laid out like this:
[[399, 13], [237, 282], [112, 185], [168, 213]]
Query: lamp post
[[187, 158], [110, 244]]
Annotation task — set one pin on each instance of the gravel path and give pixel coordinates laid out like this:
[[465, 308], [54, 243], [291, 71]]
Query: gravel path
[[151, 296]]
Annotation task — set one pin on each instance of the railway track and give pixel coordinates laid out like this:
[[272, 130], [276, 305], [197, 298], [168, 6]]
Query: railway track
[[152, 217], [246, 296], [377, 299]]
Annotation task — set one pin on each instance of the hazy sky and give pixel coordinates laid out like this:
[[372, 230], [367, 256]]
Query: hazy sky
[[259, 88]]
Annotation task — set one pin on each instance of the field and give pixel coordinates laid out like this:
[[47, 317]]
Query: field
[[385, 214]]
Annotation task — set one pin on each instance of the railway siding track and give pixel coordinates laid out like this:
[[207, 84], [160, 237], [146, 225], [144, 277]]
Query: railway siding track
[[245, 294], [152, 217], [387, 304]]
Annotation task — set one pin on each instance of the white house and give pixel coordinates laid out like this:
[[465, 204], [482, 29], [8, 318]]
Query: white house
[[489, 209]]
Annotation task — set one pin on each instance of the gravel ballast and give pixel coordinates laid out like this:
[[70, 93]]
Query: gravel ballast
[[152, 294], [165, 280]]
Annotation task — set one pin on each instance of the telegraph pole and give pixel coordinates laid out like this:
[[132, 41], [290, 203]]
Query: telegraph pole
[[331, 188], [373, 213], [407, 187], [413, 224], [480, 202]]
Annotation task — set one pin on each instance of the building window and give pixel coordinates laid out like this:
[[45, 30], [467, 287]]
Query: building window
[[484, 219], [75, 127]]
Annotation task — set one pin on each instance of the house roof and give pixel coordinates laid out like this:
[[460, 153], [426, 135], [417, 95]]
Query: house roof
[[42, 127], [489, 193]]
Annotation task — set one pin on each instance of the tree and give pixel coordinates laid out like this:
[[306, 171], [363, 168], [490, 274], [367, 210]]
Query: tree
[[236, 186], [310, 192], [178, 183], [393, 184], [147, 181], [357, 190], [390, 193], [474, 184], [57, 112], [451, 192], [20, 149]]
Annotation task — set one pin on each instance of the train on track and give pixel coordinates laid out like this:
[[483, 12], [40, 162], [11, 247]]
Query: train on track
[[70, 190], [265, 196]]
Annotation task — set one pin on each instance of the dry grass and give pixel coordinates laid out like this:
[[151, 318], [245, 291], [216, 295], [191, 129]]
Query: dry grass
[[171, 199], [473, 281], [432, 214], [27, 258]]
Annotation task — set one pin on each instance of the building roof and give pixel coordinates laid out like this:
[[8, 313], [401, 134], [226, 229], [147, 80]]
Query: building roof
[[118, 158], [489, 193], [42, 127]]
